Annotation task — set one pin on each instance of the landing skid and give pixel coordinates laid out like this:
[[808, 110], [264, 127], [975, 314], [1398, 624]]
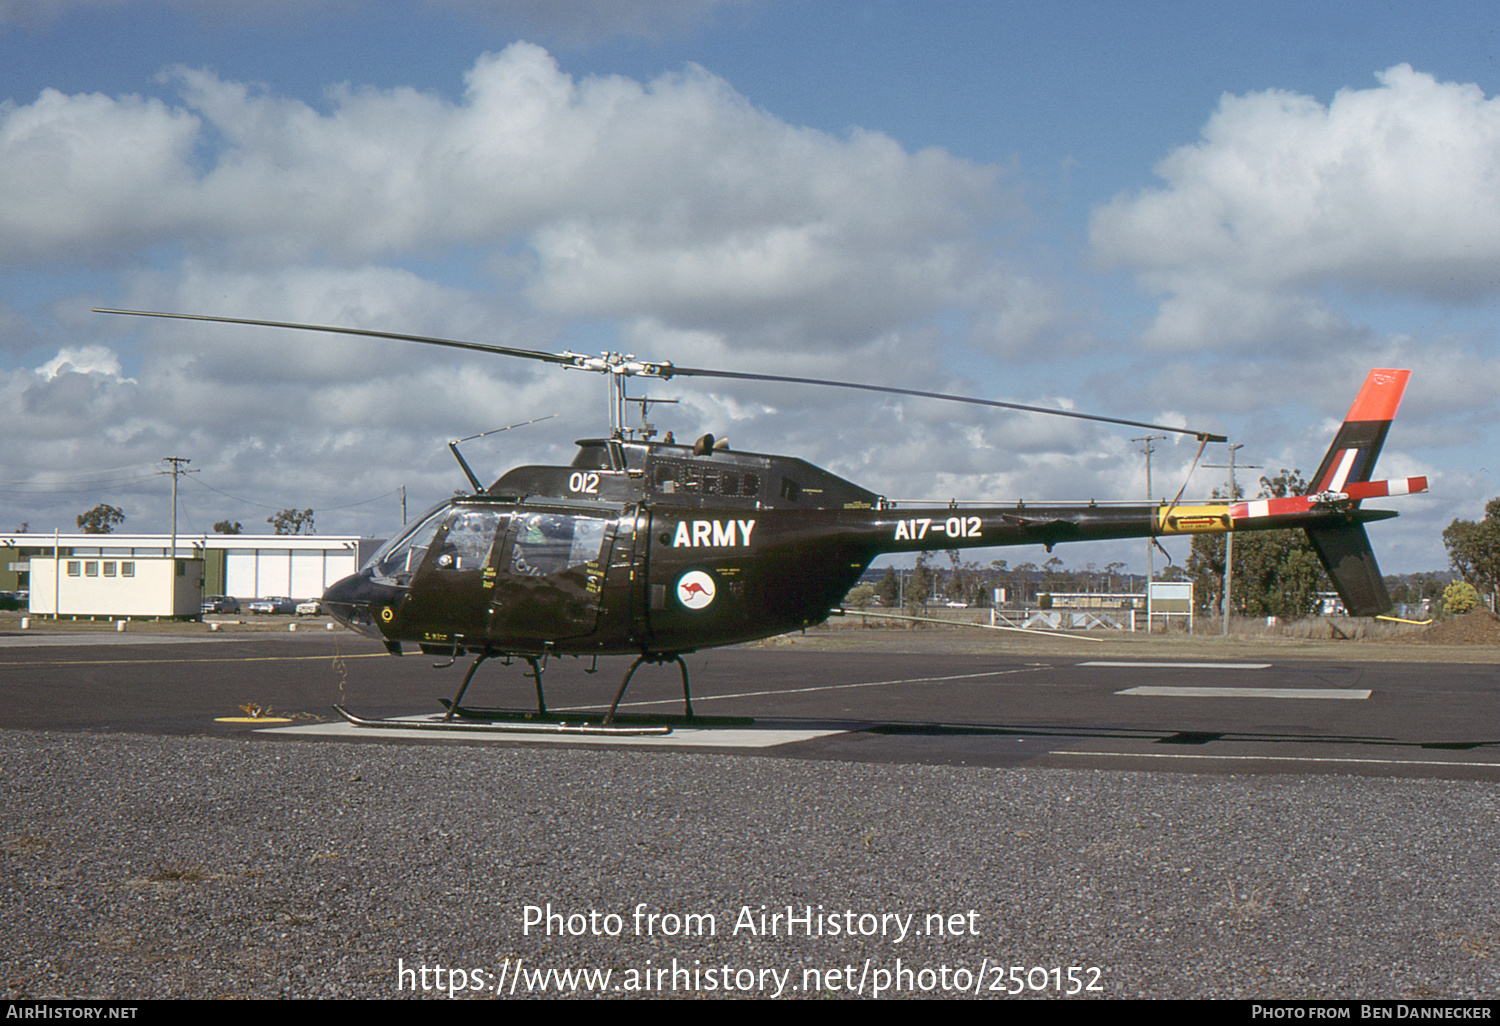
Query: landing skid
[[522, 723], [629, 719]]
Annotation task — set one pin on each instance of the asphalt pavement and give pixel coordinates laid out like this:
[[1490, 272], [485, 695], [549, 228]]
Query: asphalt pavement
[[949, 823]]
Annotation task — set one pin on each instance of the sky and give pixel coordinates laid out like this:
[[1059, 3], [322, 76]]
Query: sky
[[1204, 214]]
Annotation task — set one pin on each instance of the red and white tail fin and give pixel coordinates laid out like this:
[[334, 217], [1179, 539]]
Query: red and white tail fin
[[1355, 448], [1344, 549]]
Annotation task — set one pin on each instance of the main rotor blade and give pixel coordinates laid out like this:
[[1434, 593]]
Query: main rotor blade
[[670, 370], [478, 347], [665, 370]]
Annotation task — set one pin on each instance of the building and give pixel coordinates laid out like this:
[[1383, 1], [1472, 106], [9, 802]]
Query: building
[[156, 586], [247, 566]]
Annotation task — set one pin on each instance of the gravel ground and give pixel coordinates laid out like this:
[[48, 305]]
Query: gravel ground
[[143, 867]]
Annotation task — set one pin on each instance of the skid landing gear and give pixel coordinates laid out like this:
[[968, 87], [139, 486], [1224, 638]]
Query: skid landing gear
[[501, 722], [536, 675], [457, 717], [687, 697]]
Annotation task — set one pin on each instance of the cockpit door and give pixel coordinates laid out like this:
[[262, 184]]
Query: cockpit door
[[450, 593], [550, 574]]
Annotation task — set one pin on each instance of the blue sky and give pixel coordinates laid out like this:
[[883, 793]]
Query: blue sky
[[1217, 214]]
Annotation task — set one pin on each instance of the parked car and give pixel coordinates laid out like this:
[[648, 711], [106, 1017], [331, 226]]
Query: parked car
[[274, 604], [312, 607], [220, 604]]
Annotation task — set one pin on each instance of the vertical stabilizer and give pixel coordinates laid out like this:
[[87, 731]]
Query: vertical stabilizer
[[1345, 553], [1344, 550], [1355, 448]]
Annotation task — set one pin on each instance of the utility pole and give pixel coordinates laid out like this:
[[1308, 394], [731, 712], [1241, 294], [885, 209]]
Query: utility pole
[[1229, 536], [177, 464], [1150, 538]]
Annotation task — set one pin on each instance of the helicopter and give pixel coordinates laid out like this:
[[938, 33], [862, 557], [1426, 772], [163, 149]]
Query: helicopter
[[648, 548]]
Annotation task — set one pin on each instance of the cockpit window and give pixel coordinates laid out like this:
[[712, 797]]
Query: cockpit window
[[471, 534], [399, 560], [549, 543]]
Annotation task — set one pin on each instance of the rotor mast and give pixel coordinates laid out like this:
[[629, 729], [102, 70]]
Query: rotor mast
[[618, 367]]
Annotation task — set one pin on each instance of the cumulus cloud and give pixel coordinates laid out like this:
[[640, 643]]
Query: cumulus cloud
[[85, 360], [1392, 190], [678, 199], [536, 210]]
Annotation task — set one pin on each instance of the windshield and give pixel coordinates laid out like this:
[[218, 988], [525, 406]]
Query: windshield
[[401, 556]]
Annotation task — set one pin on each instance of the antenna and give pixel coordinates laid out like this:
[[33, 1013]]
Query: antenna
[[463, 463], [648, 430]]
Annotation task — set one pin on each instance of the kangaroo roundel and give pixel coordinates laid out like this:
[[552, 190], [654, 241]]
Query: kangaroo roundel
[[695, 589]]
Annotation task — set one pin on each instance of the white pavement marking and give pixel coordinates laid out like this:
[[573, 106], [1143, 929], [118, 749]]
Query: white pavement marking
[[700, 699], [1166, 692], [1284, 758], [112, 638], [681, 737], [1188, 666]]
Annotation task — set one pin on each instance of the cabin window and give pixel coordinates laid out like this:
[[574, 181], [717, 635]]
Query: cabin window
[[591, 457], [549, 543], [471, 536]]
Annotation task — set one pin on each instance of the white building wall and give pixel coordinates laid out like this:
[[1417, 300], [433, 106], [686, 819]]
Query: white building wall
[[273, 573], [102, 586], [255, 566], [308, 577], [239, 574]]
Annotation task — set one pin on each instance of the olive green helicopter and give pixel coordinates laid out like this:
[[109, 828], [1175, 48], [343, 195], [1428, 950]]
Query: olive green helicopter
[[648, 548]]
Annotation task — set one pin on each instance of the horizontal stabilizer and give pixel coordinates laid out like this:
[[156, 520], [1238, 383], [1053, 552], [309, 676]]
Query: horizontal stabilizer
[[1352, 492], [1356, 490], [1345, 553]]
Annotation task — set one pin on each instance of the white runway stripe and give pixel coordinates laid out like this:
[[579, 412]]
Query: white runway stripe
[[1189, 666], [1166, 692]]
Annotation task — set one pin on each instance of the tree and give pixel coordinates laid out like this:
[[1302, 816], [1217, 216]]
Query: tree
[[292, 521], [1111, 571], [919, 587], [1474, 549], [225, 527], [102, 519], [1459, 597], [1276, 573], [889, 588]]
